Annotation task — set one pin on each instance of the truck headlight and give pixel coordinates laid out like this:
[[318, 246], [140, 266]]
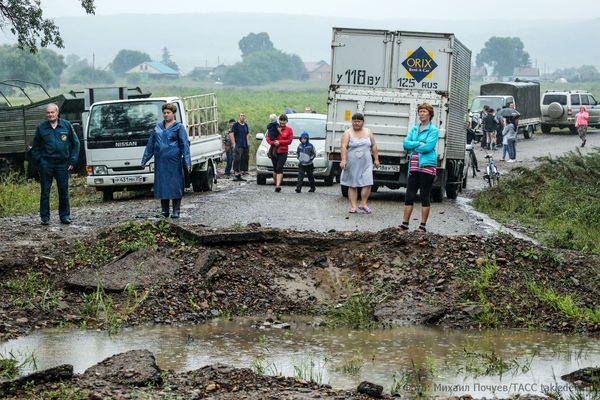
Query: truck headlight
[[100, 170], [320, 153]]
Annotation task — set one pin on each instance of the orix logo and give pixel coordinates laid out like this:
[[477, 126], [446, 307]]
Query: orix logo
[[419, 64]]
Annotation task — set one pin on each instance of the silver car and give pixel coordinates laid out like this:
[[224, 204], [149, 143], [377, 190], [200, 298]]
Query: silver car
[[314, 125]]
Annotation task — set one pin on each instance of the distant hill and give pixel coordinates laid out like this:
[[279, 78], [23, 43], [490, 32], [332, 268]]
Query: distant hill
[[212, 38]]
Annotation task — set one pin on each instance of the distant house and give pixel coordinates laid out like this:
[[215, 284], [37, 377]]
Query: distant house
[[478, 73], [153, 70], [530, 74], [318, 71]]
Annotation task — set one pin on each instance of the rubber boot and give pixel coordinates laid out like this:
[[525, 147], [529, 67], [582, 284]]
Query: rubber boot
[[176, 207], [164, 205]]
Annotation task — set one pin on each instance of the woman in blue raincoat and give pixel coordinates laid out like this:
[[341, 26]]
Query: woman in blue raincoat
[[168, 144]]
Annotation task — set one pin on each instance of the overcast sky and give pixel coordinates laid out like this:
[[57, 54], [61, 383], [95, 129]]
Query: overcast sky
[[372, 9]]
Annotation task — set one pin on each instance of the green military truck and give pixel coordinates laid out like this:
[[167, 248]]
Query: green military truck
[[19, 122]]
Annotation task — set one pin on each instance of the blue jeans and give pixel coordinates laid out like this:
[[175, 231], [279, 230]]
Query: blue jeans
[[52, 169], [512, 149], [229, 164]]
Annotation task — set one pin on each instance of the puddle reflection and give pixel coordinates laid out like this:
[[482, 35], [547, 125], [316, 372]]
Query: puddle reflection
[[538, 360]]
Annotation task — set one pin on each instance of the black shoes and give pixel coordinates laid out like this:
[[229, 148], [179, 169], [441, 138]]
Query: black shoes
[[65, 221], [278, 189], [175, 214], [45, 222], [312, 189], [239, 178], [298, 190]]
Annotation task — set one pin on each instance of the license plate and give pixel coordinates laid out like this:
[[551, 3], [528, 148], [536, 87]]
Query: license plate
[[389, 168], [290, 164], [128, 179]]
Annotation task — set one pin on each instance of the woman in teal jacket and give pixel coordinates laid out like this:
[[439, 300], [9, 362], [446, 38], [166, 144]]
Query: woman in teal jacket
[[421, 143]]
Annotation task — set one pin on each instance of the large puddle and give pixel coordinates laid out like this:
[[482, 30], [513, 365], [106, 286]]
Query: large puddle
[[453, 362]]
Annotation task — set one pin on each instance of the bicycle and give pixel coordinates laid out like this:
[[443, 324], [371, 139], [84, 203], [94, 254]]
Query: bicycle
[[491, 174], [472, 159]]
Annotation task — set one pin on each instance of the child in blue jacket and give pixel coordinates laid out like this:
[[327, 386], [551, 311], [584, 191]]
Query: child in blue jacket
[[305, 153]]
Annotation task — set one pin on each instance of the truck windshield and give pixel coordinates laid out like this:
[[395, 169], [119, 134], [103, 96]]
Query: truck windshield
[[119, 120], [480, 101]]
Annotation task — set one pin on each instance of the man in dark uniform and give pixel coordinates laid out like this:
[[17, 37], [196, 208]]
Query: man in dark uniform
[[239, 141], [56, 148]]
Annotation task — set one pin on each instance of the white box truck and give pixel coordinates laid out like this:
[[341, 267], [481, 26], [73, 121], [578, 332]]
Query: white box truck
[[385, 75], [116, 134]]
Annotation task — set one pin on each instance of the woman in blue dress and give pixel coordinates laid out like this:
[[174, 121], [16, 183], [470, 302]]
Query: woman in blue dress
[[168, 144]]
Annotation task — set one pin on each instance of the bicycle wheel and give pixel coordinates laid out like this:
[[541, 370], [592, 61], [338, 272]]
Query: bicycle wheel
[[496, 179], [473, 163]]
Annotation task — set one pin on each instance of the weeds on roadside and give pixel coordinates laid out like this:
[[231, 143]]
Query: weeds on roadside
[[98, 304], [414, 382], [36, 291], [309, 368], [564, 304], [536, 197], [357, 310], [351, 366], [11, 366], [481, 285], [490, 364], [262, 366]]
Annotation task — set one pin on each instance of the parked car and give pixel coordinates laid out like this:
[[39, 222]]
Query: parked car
[[560, 108], [314, 125]]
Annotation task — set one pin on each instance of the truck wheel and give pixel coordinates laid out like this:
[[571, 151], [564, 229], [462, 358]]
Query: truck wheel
[[546, 128], [452, 190], [437, 192], [344, 190], [464, 182], [107, 195], [329, 180], [528, 132], [261, 179], [196, 179], [208, 178]]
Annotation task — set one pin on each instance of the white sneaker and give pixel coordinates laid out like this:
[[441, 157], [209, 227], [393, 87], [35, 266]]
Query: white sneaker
[[511, 161]]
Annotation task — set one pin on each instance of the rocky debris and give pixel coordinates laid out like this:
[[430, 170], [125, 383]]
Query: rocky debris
[[50, 375], [584, 378]]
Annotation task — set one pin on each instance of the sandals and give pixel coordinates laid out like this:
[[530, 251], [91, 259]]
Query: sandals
[[421, 228], [365, 209], [353, 211], [403, 227]]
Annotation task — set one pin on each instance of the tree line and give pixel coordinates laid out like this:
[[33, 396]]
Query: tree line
[[261, 62]]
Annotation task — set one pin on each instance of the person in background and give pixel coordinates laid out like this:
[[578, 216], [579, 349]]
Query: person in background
[[581, 123], [510, 133], [56, 148], [308, 109], [306, 154], [241, 151], [499, 128], [281, 144], [357, 144], [227, 149], [489, 126], [273, 130], [471, 136], [421, 143], [168, 144]]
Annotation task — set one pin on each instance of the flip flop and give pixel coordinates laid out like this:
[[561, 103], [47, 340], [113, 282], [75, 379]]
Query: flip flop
[[365, 209], [353, 211]]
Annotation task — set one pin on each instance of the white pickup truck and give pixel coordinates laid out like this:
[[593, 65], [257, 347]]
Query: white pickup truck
[[116, 134]]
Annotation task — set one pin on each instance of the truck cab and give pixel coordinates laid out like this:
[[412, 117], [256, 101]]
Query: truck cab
[[117, 132]]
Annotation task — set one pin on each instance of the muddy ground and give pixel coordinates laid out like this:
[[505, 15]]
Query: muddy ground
[[182, 272]]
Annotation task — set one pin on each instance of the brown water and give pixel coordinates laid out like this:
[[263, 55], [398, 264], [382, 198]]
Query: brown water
[[538, 359]]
